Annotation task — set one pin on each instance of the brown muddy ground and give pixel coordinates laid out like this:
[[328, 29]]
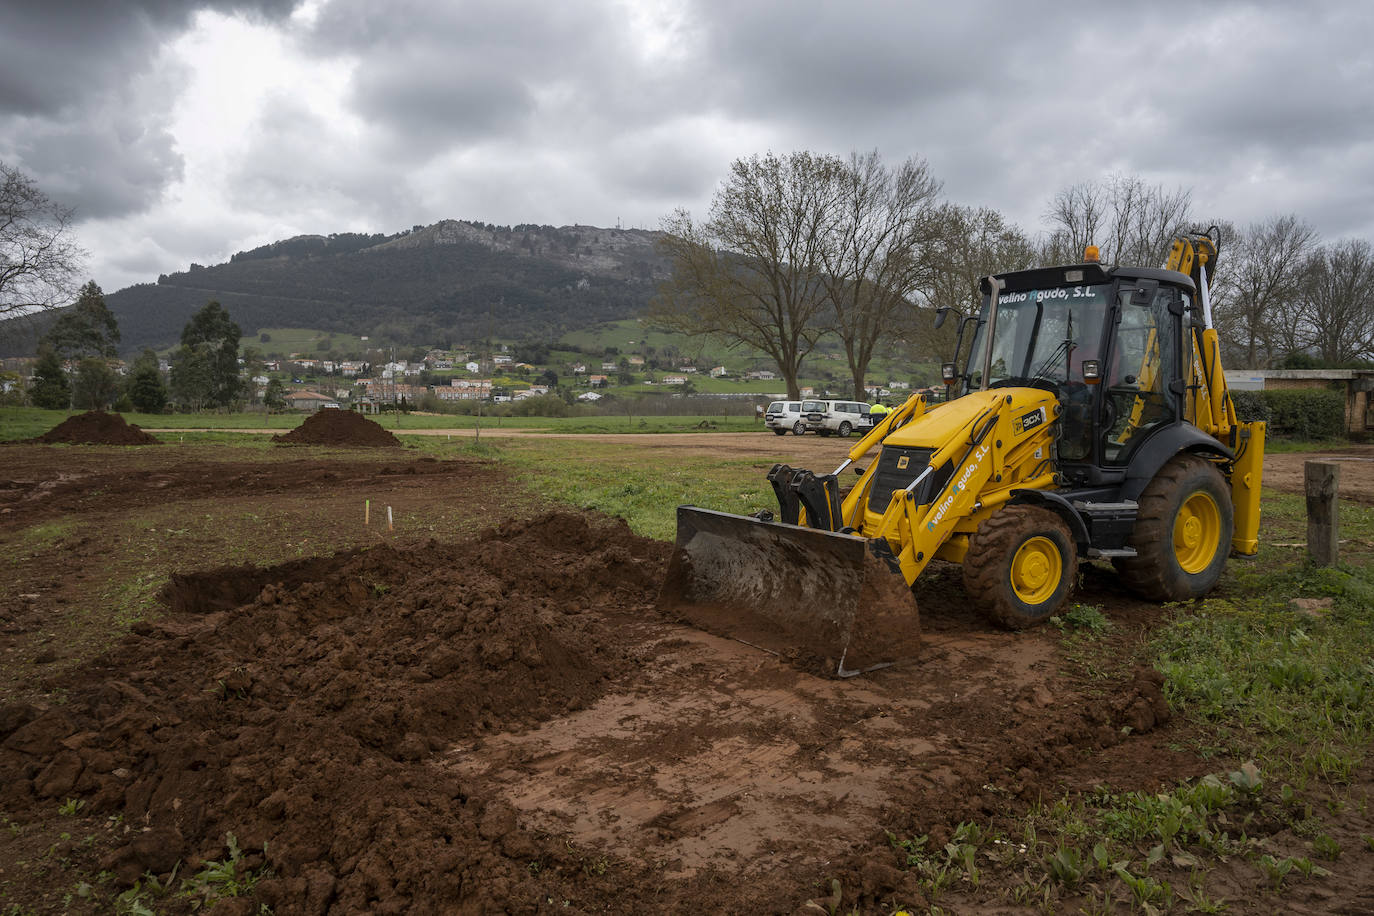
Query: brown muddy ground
[[339, 427], [502, 721], [95, 427]]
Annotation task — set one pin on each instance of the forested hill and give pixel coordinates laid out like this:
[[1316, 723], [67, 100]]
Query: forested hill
[[430, 285]]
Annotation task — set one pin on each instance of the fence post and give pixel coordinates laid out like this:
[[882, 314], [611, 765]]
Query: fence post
[[1321, 481]]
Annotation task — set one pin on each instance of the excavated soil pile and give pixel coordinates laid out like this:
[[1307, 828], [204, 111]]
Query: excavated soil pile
[[339, 427], [304, 720], [96, 427]]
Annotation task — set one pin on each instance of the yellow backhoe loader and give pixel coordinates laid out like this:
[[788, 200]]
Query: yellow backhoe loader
[[1091, 419]]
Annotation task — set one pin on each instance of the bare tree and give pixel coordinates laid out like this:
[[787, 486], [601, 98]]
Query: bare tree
[[880, 253], [1259, 309], [1129, 221], [39, 261], [1338, 300], [753, 273], [973, 243]]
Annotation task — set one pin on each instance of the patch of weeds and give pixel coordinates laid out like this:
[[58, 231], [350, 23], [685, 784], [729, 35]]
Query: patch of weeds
[[71, 807], [1326, 847], [1084, 617], [136, 900], [937, 869], [1146, 891], [1270, 683], [1276, 871], [231, 877]]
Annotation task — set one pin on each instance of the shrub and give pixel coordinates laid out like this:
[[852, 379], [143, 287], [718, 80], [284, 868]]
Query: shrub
[[1251, 406], [1305, 414]]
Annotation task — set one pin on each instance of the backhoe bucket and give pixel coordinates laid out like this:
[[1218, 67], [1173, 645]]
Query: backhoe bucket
[[823, 601]]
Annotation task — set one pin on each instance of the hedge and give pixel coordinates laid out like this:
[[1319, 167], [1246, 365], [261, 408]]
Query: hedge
[[1304, 414]]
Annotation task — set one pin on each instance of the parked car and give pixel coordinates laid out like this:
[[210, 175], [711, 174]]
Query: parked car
[[838, 417], [784, 415]]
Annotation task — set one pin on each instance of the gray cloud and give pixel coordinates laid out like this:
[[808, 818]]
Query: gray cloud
[[531, 111], [82, 109]]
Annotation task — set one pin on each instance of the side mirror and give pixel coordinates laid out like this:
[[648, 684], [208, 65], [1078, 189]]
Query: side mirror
[[948, 372], [940, 315]]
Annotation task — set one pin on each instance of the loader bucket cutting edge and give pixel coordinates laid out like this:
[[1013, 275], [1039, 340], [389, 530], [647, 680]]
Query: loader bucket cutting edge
[[821, 600]]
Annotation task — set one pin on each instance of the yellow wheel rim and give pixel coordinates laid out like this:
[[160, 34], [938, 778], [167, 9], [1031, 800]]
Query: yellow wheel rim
[[1197, 533], [1036, 570]]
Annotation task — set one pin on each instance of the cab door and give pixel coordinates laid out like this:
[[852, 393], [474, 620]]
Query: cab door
[[1140, 389]]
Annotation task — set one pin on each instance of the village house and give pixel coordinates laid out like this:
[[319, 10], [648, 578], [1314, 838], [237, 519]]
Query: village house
[[309, 400], [674, 380]]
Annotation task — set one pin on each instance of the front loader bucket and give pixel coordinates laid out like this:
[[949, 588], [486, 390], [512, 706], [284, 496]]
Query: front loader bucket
[[821, 600]]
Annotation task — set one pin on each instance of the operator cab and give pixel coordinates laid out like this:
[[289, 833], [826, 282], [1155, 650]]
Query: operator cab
[[1106, 341]]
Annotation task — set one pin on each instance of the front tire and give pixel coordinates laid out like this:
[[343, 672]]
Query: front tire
[[1182, 532], [1020, 566], [798, 428], [845, 430]]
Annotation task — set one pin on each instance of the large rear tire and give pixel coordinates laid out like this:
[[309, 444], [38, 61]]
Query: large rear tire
[[1020, 566], [1182, 532]]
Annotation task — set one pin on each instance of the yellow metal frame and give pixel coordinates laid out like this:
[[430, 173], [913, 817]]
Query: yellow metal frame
[[1209, 405], [993, 452]]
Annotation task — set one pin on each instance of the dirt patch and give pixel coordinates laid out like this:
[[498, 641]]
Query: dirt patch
[[302, 721], [96, 428], [1284, 471], [506, 721], [34, 487], [339, 427]]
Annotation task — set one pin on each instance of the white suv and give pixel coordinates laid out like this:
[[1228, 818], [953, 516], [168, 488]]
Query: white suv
[[784, 415], [838, 417]]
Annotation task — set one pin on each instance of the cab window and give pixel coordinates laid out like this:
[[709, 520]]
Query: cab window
[[1143, 360]]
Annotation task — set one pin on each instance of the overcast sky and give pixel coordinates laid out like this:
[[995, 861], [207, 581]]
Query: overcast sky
[[183, 131]]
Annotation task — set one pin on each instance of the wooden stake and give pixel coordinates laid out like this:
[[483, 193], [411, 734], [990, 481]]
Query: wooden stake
[[367, 512], [1321, 481], [388, 519]]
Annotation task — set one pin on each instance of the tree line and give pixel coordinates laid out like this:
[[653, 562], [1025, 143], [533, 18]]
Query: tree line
[[799, 246], [204, 368]]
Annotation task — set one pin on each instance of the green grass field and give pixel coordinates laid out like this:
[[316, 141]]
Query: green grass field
[[18, 423], [283, 342]]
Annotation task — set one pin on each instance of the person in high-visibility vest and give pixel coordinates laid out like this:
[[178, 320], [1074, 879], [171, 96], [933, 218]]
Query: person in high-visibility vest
[[879, 409]]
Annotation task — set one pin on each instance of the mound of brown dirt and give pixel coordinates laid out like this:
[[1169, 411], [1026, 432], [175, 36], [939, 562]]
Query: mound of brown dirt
[[302, 721], [339, 427], [96, 427]]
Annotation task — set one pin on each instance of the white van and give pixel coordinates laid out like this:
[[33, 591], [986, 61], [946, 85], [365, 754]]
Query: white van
[[838, 417], [784, 415]]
